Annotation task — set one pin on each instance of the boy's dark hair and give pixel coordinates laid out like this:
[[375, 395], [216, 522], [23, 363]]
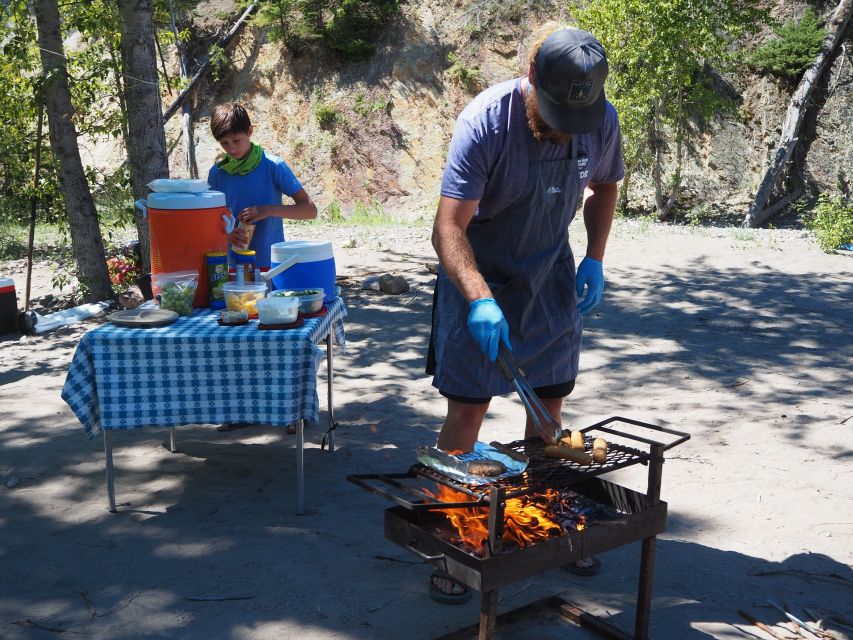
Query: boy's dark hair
[[229, 118]]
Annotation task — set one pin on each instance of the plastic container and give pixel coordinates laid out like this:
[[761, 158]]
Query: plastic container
[[233, 318], [8, 306], [244, 266], [217, 275], [303, 264], [310, 300], [244, 296], [278, 310], [175, 291], [178, 185], [183, 228]]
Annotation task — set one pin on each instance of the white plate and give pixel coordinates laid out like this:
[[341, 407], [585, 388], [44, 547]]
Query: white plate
[[142, 318]]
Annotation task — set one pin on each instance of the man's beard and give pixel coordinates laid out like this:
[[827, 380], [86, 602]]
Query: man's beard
[[540, 130]]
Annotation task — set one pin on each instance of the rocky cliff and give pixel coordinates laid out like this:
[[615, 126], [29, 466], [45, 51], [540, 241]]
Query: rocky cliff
[[394, 114]]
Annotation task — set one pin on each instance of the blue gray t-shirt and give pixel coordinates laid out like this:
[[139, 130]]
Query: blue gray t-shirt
[[265, 184], [488, 157]]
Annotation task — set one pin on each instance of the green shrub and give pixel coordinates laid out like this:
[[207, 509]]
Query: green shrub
[[795, 47], [354, 25], [364, 108], [348, 26], [462, 75], [220, 63], [832, 222], [372, 214], [326, 115], [332, 213]]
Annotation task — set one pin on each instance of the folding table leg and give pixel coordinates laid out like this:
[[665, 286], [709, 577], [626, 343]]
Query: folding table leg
[[300, 469], [108, 451], [329, 393]]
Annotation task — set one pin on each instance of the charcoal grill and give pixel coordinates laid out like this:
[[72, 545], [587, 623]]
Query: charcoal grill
[[413, 523]]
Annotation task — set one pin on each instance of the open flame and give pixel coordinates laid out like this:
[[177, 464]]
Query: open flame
[[526, 519]]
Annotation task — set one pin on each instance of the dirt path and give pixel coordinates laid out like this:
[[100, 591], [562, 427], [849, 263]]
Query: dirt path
[[741, 338]]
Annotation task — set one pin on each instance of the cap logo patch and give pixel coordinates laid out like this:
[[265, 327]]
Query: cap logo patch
[[580, 90]]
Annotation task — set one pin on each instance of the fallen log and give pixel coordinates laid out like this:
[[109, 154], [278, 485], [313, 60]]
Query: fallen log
[[800, 102], [183, 95]]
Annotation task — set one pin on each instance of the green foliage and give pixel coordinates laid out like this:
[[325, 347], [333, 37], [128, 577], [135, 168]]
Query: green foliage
[[347, 26], [795, 47], [831, 220], [326, 114], [354, 25], [371, 214], [659, 52], [332, 213], [364, 108], [460, 74], [220, 63]]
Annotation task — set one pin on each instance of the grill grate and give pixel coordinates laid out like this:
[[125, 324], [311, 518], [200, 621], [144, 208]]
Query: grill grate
[[542, 472]]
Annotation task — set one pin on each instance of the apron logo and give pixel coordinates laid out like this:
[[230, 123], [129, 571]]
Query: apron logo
[[553, 190], [583, 161]]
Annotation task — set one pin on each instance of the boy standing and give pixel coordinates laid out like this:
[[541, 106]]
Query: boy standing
[[253, 182]]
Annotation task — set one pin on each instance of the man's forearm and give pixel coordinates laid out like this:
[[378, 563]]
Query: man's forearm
[[598, 207], [457, 258]]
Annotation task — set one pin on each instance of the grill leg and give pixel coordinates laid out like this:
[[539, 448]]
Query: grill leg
[[644, 590], [488, 615]]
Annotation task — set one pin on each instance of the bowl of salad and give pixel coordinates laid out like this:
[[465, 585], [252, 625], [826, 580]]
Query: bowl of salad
[[310, 300]]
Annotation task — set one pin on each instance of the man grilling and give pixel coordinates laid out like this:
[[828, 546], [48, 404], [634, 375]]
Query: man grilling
[[522, 154]]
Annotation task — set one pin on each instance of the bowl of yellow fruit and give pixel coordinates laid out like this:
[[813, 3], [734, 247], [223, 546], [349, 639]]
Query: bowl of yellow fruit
[[244, 296]]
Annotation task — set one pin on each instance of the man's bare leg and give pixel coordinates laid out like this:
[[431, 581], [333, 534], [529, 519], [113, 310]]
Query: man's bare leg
[[459, 433], [461, 426]]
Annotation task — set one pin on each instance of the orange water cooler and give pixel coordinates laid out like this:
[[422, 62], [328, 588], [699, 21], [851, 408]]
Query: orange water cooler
[[184, 227]]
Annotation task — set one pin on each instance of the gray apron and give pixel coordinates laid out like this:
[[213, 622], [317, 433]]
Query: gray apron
[[524, 256]]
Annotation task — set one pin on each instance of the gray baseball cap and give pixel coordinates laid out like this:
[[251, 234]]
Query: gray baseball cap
[[571, 68]]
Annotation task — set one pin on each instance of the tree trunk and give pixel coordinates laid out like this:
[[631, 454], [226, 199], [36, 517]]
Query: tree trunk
[[86, 242], [189, 138], [799, 105], [630, 165], [146, 147]]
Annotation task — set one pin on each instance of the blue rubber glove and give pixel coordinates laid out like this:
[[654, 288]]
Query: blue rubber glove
[[487, 324], [590, 277]]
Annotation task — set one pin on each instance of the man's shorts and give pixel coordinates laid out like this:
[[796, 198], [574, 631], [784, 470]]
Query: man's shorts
[[560, 390]]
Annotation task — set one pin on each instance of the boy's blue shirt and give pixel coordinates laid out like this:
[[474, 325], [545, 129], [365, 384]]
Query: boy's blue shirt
[[266, 184]]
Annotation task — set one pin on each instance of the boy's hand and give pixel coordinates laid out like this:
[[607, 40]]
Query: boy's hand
[[237, 237], [253, 214]]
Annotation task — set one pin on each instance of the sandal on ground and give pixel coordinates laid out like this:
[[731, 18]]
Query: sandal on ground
[[591, 570], [460, 593], [233, 426]]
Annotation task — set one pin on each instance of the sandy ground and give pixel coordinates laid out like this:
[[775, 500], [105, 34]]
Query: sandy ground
[[741, 338]]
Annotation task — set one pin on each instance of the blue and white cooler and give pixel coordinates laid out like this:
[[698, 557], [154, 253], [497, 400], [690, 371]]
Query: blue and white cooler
[[303, 264]]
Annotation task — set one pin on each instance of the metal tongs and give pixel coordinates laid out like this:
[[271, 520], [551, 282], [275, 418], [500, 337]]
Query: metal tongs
[[545, 424]]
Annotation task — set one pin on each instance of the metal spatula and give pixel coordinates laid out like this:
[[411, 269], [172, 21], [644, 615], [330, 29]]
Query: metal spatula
[[545, 424]]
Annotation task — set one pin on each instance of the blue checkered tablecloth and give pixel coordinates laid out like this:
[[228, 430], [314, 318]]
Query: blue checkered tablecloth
[[195, 371]]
